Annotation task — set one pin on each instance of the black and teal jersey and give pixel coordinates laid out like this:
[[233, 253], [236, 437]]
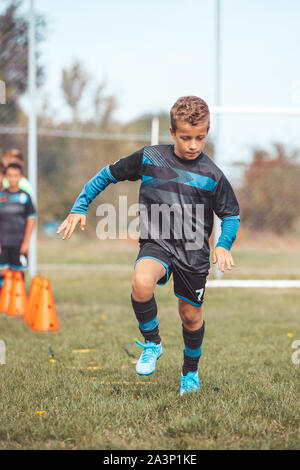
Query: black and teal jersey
[[189, 192], [15, 209]]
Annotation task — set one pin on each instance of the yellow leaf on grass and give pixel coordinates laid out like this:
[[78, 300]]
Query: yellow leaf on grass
[[91, 368], [83, 350]]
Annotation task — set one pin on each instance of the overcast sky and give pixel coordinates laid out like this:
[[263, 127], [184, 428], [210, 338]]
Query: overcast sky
[[152, 52]]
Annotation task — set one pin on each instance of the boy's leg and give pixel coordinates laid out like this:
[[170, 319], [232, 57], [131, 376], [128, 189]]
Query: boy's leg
[[2, 274], [193, 332], [146, 275], [4, 264], [189, 287], [193, 327], [18, 261]]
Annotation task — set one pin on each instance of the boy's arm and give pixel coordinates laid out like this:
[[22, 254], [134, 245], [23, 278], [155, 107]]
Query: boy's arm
[[28, 232], [226, 207], [30, 223], [128, 168]]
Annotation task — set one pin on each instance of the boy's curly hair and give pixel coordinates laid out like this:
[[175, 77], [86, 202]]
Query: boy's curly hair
[[189, 109]]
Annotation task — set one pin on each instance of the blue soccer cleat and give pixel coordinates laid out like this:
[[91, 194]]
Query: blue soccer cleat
[[147, 361], [189, 383]]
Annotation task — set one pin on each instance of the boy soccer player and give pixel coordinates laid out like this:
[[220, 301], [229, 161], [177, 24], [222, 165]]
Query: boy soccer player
[[177, 178], [17, 219]]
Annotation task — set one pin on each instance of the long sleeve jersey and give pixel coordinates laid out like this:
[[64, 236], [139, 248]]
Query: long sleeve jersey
[[15, 209], [177, 200]]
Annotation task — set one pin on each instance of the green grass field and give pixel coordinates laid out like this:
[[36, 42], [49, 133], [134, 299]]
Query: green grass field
[[94, 399]]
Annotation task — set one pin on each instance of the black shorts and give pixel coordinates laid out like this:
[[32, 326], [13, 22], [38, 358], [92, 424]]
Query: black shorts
[[188, 285], [10, 258]]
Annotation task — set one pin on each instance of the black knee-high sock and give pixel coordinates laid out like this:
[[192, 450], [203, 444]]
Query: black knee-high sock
[[192, 349], [146, 314]]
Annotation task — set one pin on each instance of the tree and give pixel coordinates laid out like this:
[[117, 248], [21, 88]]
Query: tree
[[76, 87], [269, 196], [14, 57], [74, 83], [104, 107]]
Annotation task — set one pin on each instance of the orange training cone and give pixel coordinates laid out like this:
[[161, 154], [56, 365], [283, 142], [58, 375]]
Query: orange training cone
[[18, 300], [6, 291], [32, 300], [45, 317]]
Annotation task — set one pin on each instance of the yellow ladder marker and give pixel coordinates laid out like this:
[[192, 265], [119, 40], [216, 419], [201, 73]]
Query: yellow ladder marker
[[92, 368], [83, 350], [127, 383]]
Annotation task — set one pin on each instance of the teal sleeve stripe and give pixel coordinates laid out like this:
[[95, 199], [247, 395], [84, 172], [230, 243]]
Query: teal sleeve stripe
[[31, 215], [113, 179], [92, 188], [192, 352], [229, 226], [149, 325]]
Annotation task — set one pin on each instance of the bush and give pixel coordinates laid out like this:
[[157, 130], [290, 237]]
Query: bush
[[269, 195]]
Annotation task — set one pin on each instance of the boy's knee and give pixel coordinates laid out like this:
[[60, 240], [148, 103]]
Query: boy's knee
[[191, 316], [142, 287]]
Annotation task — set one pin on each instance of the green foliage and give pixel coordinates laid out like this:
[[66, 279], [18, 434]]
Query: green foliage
[[14, 67], [14, 57], [269, 196]]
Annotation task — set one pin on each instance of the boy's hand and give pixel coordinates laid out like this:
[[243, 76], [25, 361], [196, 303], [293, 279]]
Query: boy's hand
[[24, 248], [223, 257], [69, 224]]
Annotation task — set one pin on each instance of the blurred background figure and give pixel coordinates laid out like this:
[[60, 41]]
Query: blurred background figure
[[1, 175], [15, 156], [1, 188], [17, 220]]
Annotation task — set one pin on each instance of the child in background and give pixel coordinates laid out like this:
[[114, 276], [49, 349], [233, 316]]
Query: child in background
[[17, 220], [1, 175], [15, 156]]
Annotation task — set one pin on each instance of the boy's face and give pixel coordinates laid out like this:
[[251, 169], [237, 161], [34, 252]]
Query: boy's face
[[13, 176], [189, 140]]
